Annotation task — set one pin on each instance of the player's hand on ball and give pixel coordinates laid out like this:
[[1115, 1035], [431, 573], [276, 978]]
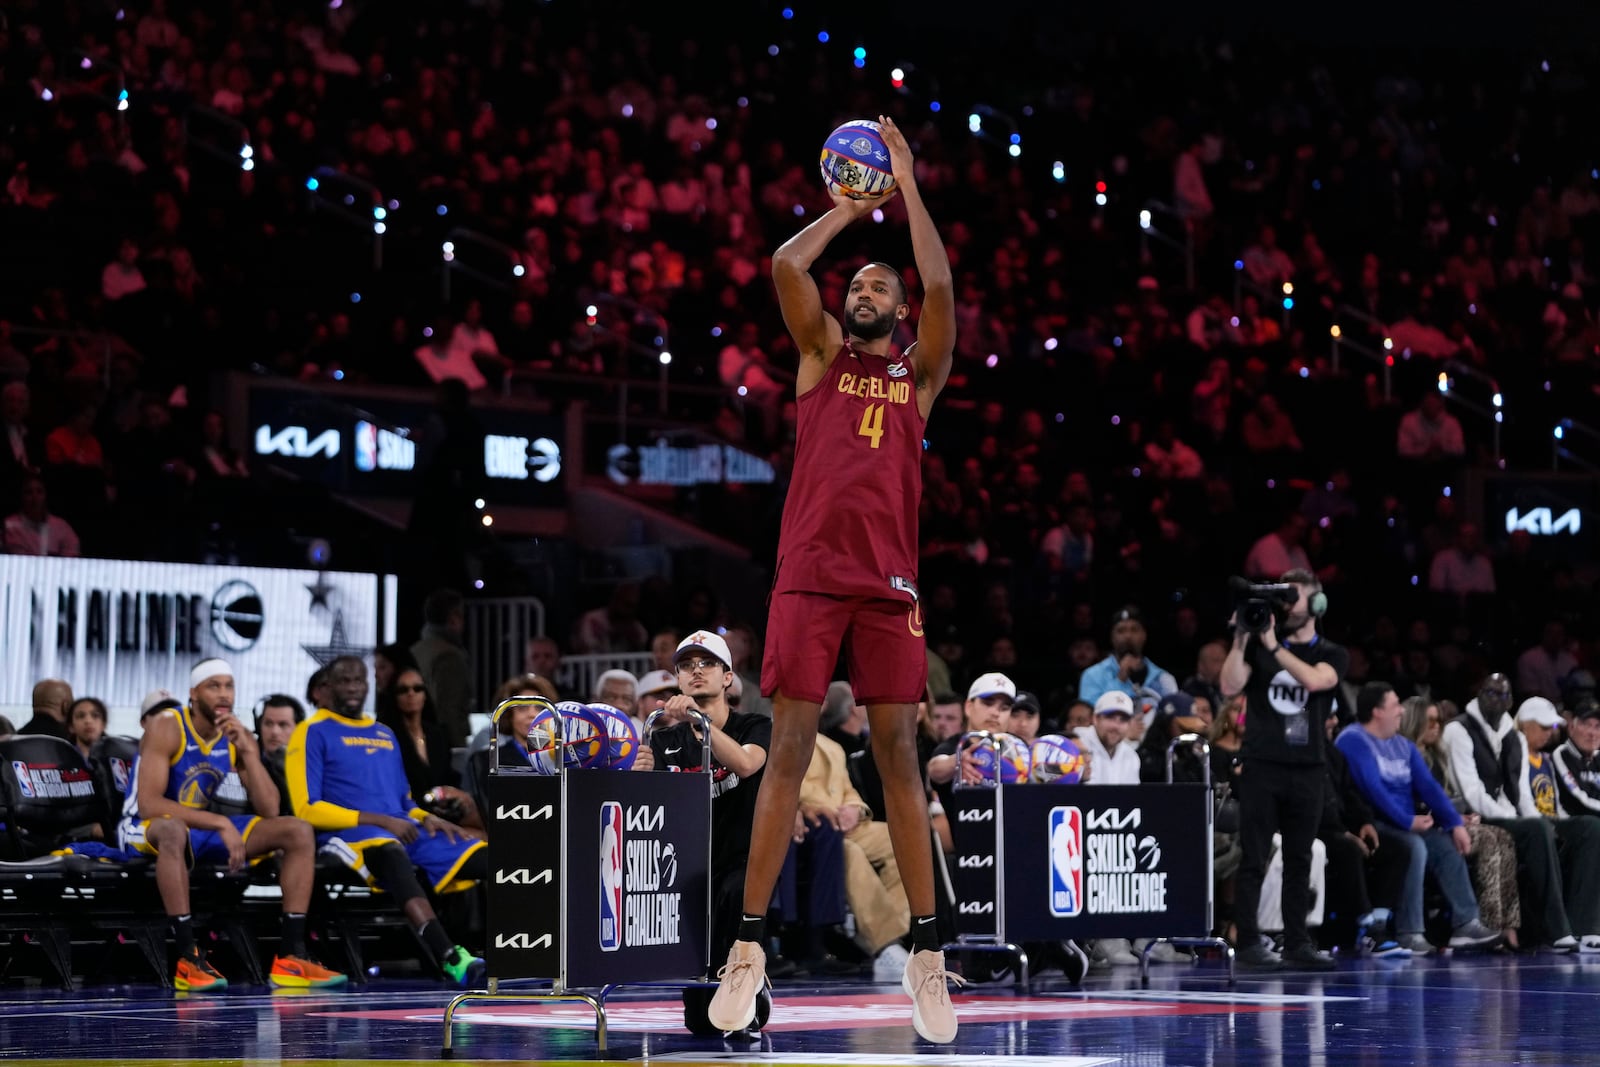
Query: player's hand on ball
[[900, 161], [857, 208]]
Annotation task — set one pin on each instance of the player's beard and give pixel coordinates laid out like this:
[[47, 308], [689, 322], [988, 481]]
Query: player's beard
[[881, 325]]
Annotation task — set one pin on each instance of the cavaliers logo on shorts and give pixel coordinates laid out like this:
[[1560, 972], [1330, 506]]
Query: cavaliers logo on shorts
[[914, 619]]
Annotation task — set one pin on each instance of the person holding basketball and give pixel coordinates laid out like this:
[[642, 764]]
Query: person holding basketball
[[846, 571]]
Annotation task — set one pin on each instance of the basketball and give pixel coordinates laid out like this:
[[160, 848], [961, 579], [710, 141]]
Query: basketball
[[1013, 756], [544, 740], [855, 162], [585, 743], [1057, 759], [622, 740]]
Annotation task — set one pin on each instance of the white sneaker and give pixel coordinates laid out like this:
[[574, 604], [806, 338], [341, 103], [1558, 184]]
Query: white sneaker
[[1565, 944], [1165, 953], [1589, 945], [889, 965], [1114, 951]]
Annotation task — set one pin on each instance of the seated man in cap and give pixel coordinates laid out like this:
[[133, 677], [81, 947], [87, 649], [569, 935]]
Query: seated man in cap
[[655, 689], [184, 757], [1113, 758], [738, 743], [347, 779], [1025, 717], [1126, 669], [1577, 763], [988, 707]]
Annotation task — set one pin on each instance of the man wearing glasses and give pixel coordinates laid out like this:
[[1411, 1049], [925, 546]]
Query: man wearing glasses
[[739, 743]]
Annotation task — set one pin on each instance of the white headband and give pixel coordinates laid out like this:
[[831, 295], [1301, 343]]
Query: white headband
[[208, 668]]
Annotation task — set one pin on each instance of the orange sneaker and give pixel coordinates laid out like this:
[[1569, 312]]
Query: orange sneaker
[[297, 972], [196, 975]]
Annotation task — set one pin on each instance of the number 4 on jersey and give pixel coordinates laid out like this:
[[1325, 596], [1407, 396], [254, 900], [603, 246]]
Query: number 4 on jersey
[[872, 424]]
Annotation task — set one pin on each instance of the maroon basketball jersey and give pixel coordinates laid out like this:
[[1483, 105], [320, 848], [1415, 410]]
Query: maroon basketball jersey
[[850, 520]]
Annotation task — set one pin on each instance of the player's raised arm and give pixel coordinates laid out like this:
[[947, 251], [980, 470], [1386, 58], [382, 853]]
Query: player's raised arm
[[816, 333], [936, 328]]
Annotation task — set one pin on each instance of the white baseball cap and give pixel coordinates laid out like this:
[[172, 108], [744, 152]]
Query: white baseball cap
[[993, 684], [657, 681], [156, 700], [1113, 701], [1539, 710], [705, 641]]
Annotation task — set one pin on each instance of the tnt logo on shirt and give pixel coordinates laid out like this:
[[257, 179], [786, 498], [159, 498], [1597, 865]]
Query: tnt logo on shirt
[[1066, 862], [1286, 695], [24, 779]]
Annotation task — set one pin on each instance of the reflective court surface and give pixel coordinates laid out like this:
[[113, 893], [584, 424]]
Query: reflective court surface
[[1485, 1010]]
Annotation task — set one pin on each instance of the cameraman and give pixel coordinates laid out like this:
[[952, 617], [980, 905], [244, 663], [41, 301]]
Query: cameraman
[[1288, 675]]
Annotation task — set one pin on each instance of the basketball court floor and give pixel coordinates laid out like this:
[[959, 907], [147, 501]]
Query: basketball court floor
[[1483, 1010]]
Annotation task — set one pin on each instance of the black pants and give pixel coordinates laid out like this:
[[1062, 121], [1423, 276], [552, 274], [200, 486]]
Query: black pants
[[1277, 798], [1544, 912], [1348, 898], [1578, 841]]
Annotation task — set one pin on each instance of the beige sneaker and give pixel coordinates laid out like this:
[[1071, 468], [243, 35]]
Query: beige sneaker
[[931, 1011], [733, 1007]]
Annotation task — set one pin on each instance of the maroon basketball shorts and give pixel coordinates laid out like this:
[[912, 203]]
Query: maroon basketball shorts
[[885, 652]]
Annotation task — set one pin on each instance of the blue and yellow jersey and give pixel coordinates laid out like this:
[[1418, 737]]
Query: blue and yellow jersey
[[197, 769], [338, 767]]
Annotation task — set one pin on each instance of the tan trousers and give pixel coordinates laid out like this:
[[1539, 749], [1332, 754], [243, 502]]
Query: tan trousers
[[872, 886]]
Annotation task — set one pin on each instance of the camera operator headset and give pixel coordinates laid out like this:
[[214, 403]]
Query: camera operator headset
[[1288, 673]]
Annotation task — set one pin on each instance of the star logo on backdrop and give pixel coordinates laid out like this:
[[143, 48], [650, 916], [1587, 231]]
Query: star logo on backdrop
[[319, 591], [338, 645]]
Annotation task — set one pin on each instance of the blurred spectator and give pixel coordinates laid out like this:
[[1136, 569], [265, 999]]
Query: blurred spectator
[[87, 723], [1464, 569], [33, 531], [442, 661], [1279, 551], [614, 627], [1540, 669], [51, 699], [1268, 265], [122, 276], [1430, 433], [1126, 669]]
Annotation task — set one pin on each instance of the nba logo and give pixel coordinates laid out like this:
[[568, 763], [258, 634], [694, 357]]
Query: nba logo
[[24, 779], [119, 772], [610, 876], [366, 446], [1066, 862]]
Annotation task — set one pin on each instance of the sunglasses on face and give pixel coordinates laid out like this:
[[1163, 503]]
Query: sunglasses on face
[[410, 689]]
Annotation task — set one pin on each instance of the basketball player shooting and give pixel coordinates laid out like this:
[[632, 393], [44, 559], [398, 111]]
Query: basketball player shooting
[[846, 571]]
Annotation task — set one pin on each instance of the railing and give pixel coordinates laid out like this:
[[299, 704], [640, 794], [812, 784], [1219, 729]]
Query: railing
[[480, 257], [1563, 435], [1148, 232], [1449, 377], [354, 200], [577, 674], [107, 340], [498, 630], [1284, 298]]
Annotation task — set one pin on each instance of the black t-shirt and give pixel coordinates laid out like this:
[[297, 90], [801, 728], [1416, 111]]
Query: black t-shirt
[[1283, 721], [733, 799]]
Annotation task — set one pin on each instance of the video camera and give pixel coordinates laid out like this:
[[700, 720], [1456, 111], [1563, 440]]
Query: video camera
[[1260, 605]]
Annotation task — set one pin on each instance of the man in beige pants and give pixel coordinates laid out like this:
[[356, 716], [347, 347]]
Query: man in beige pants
[[871, 877]]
